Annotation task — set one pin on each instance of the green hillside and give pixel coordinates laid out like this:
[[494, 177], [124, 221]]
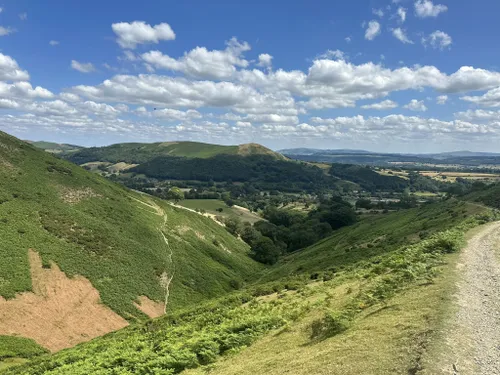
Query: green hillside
[[119, 240], [375, 315], [55, 148], [137, 153]]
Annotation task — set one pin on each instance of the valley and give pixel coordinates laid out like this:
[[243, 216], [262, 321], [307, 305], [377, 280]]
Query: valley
[[260, 272]]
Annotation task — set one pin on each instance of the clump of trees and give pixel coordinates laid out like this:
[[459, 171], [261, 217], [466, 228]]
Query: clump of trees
[[286, 231]]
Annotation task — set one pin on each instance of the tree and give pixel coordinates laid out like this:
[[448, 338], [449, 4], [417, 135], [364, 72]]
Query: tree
[[175, 194], [265, 251], [249, 234], [233, 225]]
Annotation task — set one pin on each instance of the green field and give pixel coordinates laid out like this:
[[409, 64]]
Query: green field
[[211, 206]]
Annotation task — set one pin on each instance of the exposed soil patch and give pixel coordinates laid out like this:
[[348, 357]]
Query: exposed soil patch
[[73, 196], [60, 312], [151, 308]]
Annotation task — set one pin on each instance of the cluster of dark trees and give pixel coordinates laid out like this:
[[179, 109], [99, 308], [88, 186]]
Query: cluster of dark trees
[[263, 172], [286, 231], [367, 178]]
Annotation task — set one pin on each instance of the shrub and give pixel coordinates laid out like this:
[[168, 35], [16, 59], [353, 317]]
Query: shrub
[[332, 323]]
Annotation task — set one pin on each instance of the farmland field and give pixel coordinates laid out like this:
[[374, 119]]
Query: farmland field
[[211, 206]]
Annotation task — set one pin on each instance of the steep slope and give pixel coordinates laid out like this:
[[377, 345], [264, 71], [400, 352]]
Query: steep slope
[[99, 242], [137, 153], [373, 317]]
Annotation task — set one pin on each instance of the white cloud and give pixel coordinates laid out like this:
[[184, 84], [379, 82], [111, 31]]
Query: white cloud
[[54, 43], [402, 14], [139, 32], [23, 16], [378, 12], [416, 105], [82, 67], [6, 31], [203, 63], [373, 30], [400, 34], [386, 104], [348, 39], [265, 60], [438, 39], [442, 99], [335, 54], [10, 71], [426, 8], [490, 99], [1, 10]]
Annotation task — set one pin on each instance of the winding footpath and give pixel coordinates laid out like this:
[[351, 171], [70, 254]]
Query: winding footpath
[[472, 341]]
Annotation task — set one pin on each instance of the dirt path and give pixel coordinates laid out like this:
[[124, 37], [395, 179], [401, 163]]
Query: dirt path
[[472, 340]]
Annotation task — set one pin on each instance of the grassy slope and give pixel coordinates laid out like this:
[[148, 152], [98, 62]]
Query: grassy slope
[[107, 236], [389, 295], [55, 147], [373, 236], [137, 153], [211, 206], [392, 300]]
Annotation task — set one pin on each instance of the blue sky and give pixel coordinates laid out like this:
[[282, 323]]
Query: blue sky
[[401, 76]]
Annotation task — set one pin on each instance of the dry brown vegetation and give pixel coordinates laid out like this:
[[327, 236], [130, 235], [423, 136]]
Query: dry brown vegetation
[[60, 312], [73, 196], [151, 308]]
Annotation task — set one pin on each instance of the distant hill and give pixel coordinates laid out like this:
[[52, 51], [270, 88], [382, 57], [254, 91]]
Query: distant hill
[[81, 256], [137, 153], [55, 147], [314, 151]]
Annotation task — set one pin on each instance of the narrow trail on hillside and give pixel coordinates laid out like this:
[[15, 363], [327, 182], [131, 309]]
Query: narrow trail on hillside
[[167, 277], [473, 337]]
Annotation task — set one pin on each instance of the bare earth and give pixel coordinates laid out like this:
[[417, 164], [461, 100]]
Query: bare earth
[[151, 308], [472, 342], [60, 312]]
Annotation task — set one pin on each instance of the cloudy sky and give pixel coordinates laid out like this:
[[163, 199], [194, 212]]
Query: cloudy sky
[[382, 75]]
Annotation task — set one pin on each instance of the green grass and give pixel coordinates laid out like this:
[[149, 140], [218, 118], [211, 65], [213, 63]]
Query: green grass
[[107, 236], [376, 324], [211, 206], [19, 347], [142, 152], [372, 236]]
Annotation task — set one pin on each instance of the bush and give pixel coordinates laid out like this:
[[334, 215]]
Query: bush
[[331, 324]]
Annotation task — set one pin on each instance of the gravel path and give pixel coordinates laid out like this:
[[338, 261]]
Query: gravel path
[[474, 336]]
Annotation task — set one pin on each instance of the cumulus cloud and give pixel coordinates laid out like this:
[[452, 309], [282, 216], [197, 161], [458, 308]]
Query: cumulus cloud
[[442, 99], [384, 105], [203, 63], [378, 12], [426, 8], [373, 30], [10, 71], [139, 32], [438, 39], [401, 14], [416, 105], [82, 67], [265, 60], [489, 99], [400, 34], [348, 39], [54, 43]]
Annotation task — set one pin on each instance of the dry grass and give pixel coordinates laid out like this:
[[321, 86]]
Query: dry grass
[[151, 308], [73, 196], [60, 312], [385, 339]]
